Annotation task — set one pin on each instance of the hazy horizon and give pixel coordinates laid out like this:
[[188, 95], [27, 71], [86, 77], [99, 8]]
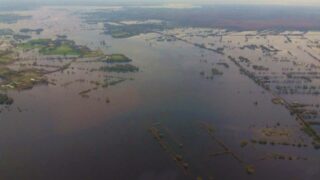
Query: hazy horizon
[[245, 2]]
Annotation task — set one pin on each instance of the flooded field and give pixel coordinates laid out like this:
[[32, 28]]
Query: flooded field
[[83, 97]]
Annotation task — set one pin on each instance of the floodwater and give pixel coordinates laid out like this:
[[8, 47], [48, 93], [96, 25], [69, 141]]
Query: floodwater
[[51, 132]]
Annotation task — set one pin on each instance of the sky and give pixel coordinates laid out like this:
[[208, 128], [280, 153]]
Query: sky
[[271, 2]]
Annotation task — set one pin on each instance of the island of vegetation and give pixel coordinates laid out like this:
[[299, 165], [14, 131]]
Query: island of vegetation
[[117, 58], [24, 79], [59, 46]]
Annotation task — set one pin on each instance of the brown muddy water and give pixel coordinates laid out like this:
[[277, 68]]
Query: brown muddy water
[[51, 132]]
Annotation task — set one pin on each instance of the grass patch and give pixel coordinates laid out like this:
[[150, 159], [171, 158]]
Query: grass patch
[[20, 80], [35, 44], [63, 49], [89, 53], [120, 68], [118, 58], [53, 47]]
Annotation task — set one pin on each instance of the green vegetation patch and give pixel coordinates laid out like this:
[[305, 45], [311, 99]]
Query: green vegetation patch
[[35, 43], [54, 47], [120, 68], [61, 49], [312, 133], [118, 58], [20, 80], [89, 53], [59, 46]]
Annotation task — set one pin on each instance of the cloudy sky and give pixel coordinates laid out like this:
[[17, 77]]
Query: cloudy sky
[[282, 2]]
